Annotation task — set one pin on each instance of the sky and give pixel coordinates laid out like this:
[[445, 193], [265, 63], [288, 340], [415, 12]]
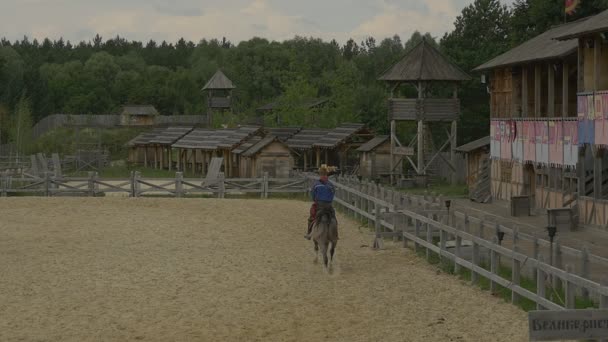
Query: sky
[[237, 20]]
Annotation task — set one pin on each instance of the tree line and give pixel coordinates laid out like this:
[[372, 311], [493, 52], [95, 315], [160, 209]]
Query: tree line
[[38, 79]]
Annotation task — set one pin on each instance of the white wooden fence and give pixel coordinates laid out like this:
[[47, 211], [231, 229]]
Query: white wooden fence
[[136, 185], [419, 221]]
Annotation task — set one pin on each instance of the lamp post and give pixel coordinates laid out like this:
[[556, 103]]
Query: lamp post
[[552, 230]]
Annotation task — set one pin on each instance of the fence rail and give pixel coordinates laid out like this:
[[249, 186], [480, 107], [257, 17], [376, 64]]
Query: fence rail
[[422, 222], [136, 185]]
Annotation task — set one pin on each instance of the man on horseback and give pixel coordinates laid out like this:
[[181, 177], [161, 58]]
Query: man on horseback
[[323, 192]]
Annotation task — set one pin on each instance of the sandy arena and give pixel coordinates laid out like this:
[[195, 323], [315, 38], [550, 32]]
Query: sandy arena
[[114, 269]]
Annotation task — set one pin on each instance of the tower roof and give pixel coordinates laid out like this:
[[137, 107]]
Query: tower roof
[[424, 63], [219, 81]]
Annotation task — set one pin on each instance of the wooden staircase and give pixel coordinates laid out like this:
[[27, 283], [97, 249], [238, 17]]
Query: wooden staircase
[[481, 191]]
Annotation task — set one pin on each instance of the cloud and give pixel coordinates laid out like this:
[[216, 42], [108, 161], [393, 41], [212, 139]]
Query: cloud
[[235, 19]]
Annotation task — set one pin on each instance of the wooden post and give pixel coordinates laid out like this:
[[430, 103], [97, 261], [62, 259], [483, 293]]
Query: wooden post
[[458, 254], [524, 91], [565, 90], [137, 183], [597, 55], [569, 290], [604, 300], [429, 238], [551, 90], [558, 263], [515, 275], [47, 184], [265, 184], [537, 91], [417, 225], [91, 184], [221, 185], [377, 224], [475, 261], [540, 283], [585, 269], [453, 151], [132, 178], [318, 157], [493, 265], [392, 161], [536, 252], [442, 242], [4, 183], [179, 185]]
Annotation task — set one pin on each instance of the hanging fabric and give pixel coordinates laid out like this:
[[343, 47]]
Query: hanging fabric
[[518, 142], [505, 142], [529, 142], [495, 140]]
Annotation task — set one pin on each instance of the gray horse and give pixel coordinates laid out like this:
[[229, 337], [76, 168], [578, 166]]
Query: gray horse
[[325, 232]]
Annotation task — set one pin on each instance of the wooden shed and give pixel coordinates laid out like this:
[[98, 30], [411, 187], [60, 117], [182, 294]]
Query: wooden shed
[[375, 157], [138, 116], [140, 151], [267, 155], [477, 154]]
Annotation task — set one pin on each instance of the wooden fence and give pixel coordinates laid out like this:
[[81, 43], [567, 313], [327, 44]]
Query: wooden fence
[[431, 229], [136, 186]]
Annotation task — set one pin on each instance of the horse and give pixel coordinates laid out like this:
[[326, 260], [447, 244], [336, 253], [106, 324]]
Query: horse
[[325, 232]]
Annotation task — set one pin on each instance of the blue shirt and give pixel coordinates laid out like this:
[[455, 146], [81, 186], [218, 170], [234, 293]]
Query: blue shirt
[[323, 192]]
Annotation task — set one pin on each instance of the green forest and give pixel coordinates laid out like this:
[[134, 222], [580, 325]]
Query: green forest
[[40, 78]]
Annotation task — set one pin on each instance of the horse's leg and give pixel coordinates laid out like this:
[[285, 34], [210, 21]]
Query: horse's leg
[[333, 250], [316, 252], [324, 247]]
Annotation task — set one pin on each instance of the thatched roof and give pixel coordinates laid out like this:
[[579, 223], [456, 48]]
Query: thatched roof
[[247, 144], [284, 133], [238, 137], [542, 47], [306, 138], [595, 24], [424, 63], [260, 145], [170, 135], [144, 110], [474, 145], [310, 103], [372, 144], [340, 135], [203, 139], [145, 137], [219, 81]]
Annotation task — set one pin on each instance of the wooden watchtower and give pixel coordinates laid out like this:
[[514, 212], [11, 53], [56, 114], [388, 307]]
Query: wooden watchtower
[[431, 73], [219, 95]]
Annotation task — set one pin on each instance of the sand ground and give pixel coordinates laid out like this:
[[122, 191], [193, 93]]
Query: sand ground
[[115, 269]]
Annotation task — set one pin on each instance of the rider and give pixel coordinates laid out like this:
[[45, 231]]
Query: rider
[[323, 192]]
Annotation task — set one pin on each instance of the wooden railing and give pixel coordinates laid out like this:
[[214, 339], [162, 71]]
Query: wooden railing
[[136, 185], [419, 220]]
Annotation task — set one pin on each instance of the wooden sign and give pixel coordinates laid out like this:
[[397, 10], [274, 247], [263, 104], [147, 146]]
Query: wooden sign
[[403, 151], [568, 325]]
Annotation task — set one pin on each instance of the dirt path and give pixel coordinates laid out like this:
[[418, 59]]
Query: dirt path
[[113, 269]]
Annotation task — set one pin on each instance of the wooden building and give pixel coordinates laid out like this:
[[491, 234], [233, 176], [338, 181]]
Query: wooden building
[[270, 155], [534, 132], [138, 116], [375, 158], [219, 95], [162, 143], [587, 38], [339, 146], [424, 67], [477, 155], [140, 152], [307, 157]]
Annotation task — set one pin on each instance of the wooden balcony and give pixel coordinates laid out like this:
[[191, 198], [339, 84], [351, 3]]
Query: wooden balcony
[[219, 102], [424, 109]]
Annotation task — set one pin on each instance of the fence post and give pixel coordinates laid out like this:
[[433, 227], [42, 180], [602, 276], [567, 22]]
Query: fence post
[[475, 261], [417, 225], [515, 274], [536, 255], [368, 207], [221, 185], [569, 290], [585, 269], [47, 184], [558, 263], [429, 238], [540, 282], [378, 238], [467, 223], [179, 185], [266, 184], [4, 183], [137, 184], [442, 242], [132, 184], [604, 299], [457, 252], [91, 184], [493, 264]]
